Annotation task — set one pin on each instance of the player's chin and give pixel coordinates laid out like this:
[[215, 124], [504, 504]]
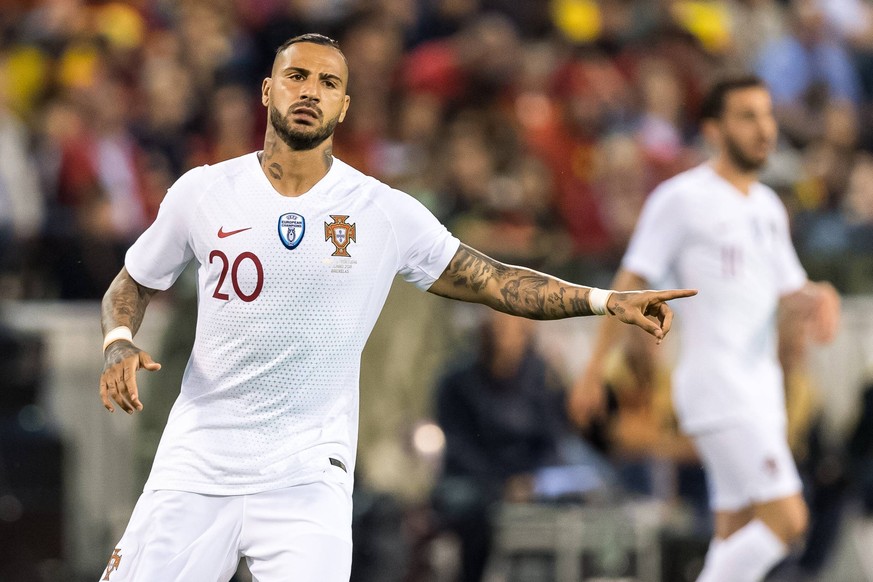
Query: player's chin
[[758, 160]]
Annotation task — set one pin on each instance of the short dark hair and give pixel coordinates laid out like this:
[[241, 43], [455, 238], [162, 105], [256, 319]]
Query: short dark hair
[[311, 37], [714, 101]]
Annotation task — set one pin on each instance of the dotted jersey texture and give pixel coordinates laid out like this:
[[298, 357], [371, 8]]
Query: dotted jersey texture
[[271, 387]]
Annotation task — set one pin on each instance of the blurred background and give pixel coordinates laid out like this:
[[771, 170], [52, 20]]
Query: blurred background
[[534, 129]]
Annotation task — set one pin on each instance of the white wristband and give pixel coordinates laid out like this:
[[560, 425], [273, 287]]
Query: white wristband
[[597, 299], [122, 332]]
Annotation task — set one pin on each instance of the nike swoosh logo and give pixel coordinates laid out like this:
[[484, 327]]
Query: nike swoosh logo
[[222, 234]]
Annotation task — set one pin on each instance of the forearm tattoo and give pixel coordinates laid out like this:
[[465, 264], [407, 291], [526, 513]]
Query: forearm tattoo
[[513, 290], [125, 303]]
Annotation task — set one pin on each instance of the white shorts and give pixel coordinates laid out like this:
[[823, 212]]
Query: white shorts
[[296, 534], [746, 464]]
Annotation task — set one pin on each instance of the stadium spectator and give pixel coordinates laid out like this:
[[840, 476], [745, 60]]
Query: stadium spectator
[[501, 413]]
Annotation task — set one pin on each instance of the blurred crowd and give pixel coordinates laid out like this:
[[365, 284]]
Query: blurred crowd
[[533, 129]]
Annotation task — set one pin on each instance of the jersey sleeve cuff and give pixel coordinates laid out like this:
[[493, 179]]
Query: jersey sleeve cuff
[[439, 265], [161, 284]]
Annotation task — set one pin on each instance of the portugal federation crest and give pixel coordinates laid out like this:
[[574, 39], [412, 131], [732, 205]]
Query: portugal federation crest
[[340, 234], [292, 226]]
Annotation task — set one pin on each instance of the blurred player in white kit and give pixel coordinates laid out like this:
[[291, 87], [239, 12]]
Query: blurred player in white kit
[[296, 252], [718, 229]]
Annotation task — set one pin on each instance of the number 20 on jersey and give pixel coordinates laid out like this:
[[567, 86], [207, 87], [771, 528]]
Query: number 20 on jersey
[[233, 270]]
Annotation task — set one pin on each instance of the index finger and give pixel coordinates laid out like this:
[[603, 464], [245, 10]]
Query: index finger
[[669, 294]]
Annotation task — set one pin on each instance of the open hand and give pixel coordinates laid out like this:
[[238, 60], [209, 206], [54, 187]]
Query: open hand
[[118, 381]]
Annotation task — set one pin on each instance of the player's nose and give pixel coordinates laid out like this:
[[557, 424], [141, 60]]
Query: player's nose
[[309, 91]]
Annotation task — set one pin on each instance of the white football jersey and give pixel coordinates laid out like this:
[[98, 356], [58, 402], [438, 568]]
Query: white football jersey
[[697, 231], [289, 290]]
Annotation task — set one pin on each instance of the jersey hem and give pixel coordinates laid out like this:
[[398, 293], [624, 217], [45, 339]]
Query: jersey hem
[[702, 426], [213, 489]]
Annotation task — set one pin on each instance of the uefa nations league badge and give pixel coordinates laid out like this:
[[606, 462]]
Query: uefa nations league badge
[[292, 226]]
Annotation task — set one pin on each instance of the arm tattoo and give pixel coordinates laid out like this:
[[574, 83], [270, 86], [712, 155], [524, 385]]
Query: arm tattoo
[[471, 269], [472, 276], [117, 352], [125, 303]]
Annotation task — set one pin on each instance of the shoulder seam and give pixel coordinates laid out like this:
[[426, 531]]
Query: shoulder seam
[[212, 180], [378, 204]]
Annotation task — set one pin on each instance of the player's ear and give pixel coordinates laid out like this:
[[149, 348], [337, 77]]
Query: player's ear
[[710, 128], [265, 91], [345, 108]]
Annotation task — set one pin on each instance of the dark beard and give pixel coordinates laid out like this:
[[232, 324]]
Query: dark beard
[[298, 140], [741, 160]]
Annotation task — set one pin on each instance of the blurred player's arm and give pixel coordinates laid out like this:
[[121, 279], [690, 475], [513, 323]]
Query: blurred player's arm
[[124, 305], [815, 307], [588, 398], [474, 277], [812, 313]]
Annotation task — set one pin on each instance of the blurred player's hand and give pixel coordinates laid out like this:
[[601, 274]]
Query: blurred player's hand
[[647, 309], [587, 399], [826, 314], [118, 381], [816, 309]]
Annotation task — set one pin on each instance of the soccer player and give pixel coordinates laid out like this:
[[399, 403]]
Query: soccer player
[[718, 229], [296, 253]]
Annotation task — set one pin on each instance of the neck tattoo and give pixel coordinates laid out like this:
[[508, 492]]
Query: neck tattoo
[[276, 171]]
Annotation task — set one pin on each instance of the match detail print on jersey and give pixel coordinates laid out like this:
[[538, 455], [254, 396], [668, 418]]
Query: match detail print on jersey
[[292, 227], [340, 234]]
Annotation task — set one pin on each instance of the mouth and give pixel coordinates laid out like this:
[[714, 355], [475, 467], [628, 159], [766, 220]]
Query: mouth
[[305, 112]]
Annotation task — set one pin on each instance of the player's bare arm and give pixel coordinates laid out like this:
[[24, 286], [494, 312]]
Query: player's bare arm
[[124, 304], [474, 277]]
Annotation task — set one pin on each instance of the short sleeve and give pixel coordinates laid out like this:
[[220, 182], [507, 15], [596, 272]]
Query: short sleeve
[[161, 253], [425, 247], [657, 237], [789, 272]]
